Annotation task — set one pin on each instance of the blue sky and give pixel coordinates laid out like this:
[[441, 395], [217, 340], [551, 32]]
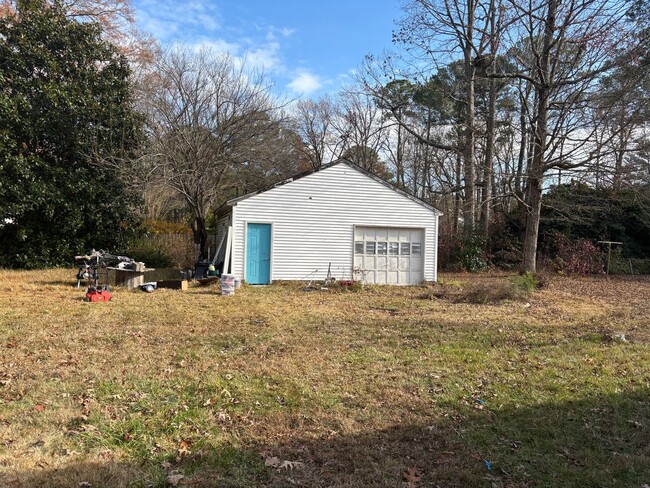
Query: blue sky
[[308, 47]]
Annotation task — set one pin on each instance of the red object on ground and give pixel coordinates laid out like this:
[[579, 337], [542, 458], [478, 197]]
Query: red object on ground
[[347, 282], [98, 294]]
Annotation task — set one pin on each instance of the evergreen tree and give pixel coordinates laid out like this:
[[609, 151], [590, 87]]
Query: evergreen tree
[[65, 109]]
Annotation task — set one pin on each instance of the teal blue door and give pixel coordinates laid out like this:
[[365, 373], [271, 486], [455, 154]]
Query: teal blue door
[[258, 254]]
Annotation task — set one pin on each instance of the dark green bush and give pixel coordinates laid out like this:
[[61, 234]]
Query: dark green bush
[[472, 253], [622, 265], [151, 253]]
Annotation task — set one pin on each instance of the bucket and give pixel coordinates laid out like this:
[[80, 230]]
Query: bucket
[[227, 285], [237, 282]]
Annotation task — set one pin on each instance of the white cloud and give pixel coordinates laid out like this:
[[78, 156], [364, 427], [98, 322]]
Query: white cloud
[[285, 32], [198, 24], [265, 57], [305, 83], [217, 46], [166, 19]]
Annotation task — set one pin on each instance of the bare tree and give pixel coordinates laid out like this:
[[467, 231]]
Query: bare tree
[[361, 128], [568, 46], [207, 116], [488, 66], [440, 30], [313, 122], [625, 97], [117, 20]]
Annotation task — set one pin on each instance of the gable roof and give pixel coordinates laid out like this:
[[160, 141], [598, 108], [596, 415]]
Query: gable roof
[[232, 202]]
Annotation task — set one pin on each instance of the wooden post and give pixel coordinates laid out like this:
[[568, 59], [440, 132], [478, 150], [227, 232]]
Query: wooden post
[[609, 252], [609, 255]]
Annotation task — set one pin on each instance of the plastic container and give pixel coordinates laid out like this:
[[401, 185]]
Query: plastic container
[[237, 282], [227, 285]]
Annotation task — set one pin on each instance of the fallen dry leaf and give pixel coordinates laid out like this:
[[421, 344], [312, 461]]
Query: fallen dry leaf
[[277, 463], [412, 476], [288, 465], [174, 479], [39, 407], [272, 462], [184, 447], [68, 362]]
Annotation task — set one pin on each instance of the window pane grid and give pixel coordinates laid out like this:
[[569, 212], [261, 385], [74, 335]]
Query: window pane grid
[[383, 248]]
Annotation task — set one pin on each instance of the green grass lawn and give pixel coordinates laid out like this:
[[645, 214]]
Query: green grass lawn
[[279, 387]]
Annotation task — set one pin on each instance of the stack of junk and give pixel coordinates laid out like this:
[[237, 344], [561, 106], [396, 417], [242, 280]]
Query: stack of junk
[[93, 268]]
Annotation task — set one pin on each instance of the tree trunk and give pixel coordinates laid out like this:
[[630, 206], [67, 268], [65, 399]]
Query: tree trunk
[[486, 198], [457, 198], [486, 192], [469, 208], [619, 155], [399, 160], [532, 225], [537, 167], [200, 232], [523, 143]]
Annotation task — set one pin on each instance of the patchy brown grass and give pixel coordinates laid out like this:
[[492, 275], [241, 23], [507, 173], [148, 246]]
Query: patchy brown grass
[[276, 386]]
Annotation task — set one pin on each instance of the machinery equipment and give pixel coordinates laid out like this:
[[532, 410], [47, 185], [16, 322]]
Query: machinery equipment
[[94, 265]]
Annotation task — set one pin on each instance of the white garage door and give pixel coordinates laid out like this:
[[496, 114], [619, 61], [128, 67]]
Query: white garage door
[[384, 255]]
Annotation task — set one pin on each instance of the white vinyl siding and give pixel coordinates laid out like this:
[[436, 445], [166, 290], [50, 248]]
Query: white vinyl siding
[[314, 220]]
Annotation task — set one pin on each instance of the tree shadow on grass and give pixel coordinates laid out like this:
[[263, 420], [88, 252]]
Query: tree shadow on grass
[[85, 474], [598, 441], [225, 466]]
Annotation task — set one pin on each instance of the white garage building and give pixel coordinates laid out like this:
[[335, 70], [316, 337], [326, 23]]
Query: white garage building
[[338, 217]]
